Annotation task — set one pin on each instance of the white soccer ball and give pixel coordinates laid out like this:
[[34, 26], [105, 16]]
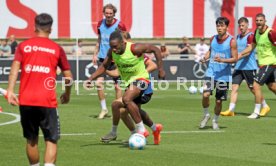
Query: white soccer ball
[[192, 90], [137, 141]]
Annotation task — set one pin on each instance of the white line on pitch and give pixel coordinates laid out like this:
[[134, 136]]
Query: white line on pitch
[[187, 132], [17, 118]]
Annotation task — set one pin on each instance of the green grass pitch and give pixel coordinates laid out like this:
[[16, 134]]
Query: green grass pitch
[[240, 142]]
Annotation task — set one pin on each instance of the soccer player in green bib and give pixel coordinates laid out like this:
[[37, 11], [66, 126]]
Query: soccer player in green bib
[[129, 60], [265, 42]]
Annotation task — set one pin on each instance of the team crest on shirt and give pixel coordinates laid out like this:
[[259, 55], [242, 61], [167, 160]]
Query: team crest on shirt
[[173, 69]]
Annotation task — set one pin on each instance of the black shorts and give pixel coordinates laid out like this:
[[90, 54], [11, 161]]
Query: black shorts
[[221, 88], [111, 67], [247, 75], [142, 85], [142, 99], [47, 119], [266, 75]]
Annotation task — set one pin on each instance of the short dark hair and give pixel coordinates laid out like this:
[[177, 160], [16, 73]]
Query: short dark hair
[[43, 22], [243, 19], [260, 15], [116, 35], [222, 20], [110, 6]]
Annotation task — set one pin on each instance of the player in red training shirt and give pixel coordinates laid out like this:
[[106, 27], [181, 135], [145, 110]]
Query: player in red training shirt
[[38, 59]]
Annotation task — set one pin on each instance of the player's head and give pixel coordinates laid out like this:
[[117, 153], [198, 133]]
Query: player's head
[[117, 43], [243, 24], [43, 23], [222, 25], [109, 11], [260, 21]]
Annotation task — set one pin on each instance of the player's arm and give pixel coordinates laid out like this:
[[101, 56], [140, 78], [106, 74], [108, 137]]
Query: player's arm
[[11, 97], [150, 65], [234, 54], [113, 73], [206, 57], [107, 61], [250, 40], [250, 47], [64, 66], [139, 49], [272, 37], [96, 50], [68, 78]]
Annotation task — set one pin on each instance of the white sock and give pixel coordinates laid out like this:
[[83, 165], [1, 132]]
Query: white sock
[[264, 104], [257, 109], [153, 127], [37, 164], [49, 164], [103, 104], [140, 127], [216, 118], [206, 112], [232, 107], [114, 130]]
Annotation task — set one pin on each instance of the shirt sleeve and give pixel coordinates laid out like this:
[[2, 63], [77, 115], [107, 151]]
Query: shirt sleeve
[[272, 37], [18, 54], [63, 62], [250, 39], [122, 26]]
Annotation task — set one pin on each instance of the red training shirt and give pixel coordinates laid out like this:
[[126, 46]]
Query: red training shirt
[[39, 58]]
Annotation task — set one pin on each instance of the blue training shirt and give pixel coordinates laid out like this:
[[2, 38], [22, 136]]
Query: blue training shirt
[[220, 71], [248, 62], [105, 32]]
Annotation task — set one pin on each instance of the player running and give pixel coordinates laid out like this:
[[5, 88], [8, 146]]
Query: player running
[[265, 42], [130, 62], [245, 69]]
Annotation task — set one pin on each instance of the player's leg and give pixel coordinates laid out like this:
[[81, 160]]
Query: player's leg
[[32, 151], [127, 120], [249, 77], [272, 87], [100, 91], [50, 127], [30, 125], [207, 91], [50, 155], [221, 95], [118, 91], [132, 92], [112, 135], [260, 79], [155, 127], [237, 78]]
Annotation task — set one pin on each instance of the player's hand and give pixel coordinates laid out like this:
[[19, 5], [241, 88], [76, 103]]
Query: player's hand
[[94, 59], [161, 74], [64, 98], [239, 56], [217, 59], [12, 98]]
